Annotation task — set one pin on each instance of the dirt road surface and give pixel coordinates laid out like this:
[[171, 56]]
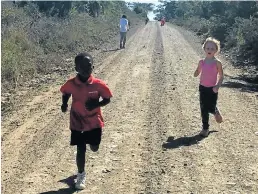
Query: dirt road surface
[[150, 141]]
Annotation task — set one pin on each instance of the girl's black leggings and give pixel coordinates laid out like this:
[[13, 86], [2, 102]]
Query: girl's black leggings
[[208, 102]]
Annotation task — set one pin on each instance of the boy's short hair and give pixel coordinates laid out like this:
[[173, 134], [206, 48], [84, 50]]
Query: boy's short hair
[[83, 59], [213, 40], [123, 16]]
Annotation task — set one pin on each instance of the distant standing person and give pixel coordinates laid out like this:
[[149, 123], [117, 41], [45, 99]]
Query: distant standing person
[[162, 22], [146, 20], [124, 27], [210, 69]]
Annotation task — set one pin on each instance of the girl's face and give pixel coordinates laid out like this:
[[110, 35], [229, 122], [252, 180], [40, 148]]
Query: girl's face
[[210, 49]]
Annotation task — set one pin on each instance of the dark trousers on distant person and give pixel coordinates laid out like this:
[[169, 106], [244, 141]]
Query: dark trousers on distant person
[[122, 39]]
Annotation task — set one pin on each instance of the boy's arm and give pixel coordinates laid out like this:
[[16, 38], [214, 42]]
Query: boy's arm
[[92, 104], [66, 91], [104, 102], [198, 70], [105, 94], [65, 98]]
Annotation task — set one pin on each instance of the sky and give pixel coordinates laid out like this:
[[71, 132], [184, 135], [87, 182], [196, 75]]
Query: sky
[[151, 15], [144, 1]]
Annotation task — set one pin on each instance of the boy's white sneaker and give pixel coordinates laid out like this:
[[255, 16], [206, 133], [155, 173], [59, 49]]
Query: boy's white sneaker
[[80, 181]]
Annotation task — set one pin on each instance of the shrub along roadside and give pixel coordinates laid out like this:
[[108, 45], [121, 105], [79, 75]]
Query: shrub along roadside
[[233, 23], [240, 40], [34, 42], [36, 47]]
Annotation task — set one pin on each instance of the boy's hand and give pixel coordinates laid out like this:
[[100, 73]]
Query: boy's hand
[[92, 104], [64, 107]]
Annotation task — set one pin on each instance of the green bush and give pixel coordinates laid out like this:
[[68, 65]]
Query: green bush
[[244, 40], [218, 29], [17, 58], [196, 24], [18, 51], [233, 23], [34, 42]]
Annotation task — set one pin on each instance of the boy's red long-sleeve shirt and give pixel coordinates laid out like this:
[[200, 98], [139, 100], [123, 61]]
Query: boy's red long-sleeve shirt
[[82, 119]]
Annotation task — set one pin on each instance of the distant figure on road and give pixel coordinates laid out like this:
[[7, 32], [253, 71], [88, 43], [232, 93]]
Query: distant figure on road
[[147, 20], [162, 21], [124, 27], [210, 68]]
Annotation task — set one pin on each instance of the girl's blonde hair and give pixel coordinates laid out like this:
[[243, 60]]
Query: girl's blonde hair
[[213, 40]]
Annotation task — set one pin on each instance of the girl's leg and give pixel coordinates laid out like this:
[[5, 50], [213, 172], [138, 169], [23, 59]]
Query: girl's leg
[[204, 100], [213, 102], [80, 157], [213, 107]]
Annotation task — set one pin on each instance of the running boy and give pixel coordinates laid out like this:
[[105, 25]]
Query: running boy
[[86, 120], [209, 68]]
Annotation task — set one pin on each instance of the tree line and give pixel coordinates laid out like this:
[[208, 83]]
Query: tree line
[[234, 23]]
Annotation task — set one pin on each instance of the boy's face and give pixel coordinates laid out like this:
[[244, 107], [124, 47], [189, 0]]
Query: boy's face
[[85, 71], [210, 49]]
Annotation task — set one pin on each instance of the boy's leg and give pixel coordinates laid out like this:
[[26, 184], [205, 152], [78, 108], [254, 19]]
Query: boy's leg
[[80, 157], [95, 139], [80, 160], [94, 148]]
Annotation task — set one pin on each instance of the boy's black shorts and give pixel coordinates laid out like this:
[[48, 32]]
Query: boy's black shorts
[[92, 137]]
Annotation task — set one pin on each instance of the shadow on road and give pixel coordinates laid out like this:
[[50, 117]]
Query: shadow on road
[[183, 141], [70, 182]]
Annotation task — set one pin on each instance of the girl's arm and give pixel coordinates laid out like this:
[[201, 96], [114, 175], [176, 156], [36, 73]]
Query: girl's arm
[[221, 77], [198, 70], [221, 74]]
